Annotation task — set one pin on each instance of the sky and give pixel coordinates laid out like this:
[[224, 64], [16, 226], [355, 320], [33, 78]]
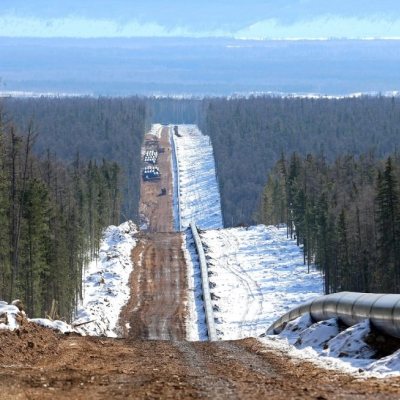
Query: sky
[[201, 18]]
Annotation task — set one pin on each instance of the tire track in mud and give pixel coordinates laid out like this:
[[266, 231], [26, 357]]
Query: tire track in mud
[[89, 368], [157, 307]]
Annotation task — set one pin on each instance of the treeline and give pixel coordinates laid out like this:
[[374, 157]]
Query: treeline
[[96, 127], [175, 110], [51, 219], [248, 136], [345, 214]]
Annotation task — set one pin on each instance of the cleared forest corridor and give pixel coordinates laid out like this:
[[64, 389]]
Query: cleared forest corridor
[[157, 307]]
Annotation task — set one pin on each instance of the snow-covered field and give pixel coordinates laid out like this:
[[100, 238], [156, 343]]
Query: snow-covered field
[[199, 194], [257, 274]]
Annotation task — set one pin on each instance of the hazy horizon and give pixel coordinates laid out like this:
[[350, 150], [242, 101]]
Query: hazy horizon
[[251, 19]]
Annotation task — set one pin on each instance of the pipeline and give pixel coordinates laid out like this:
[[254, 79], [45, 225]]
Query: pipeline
[[383, 311], [212, 333], [176, 180]]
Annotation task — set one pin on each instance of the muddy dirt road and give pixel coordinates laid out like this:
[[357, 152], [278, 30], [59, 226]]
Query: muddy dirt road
[[62, 367], [157, 307]]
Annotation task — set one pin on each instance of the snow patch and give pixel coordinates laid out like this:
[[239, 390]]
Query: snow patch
[[322, 344], [318, 334], [351, 343], [8, 316], [156, 130], [107, 283], [293, 329], [386, 366]]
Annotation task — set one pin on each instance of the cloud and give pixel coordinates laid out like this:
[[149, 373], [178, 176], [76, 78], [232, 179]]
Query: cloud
[[328, 26], [14, 26]]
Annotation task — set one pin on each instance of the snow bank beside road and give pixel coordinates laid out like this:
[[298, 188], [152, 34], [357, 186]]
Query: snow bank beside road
[[199, 194], [11, 317], [256, 274], [155, 130], [106, 287]]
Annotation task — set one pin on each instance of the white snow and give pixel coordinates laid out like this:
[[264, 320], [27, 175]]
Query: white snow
[[10, 315], [323, 345], [58, 325], [199, 194], [318, 334], [257, 274], [107, 282], [156, 130], [350, 343]]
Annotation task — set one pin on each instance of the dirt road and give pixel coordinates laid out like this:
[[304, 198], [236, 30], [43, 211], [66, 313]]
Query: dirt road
[[157, 307], [61, 367], [156, 209]]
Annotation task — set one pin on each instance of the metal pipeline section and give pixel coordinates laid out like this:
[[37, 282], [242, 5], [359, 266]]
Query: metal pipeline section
[[383, 310], [176, 180], [212, 333]]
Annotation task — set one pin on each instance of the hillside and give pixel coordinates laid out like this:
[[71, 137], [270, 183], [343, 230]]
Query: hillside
[[250, 135]]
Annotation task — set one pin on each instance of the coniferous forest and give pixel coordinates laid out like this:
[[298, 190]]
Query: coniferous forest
[[249, 135], [51, 218], [345, 214], [96, 128]]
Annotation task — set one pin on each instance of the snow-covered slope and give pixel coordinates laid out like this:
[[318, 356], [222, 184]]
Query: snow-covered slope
[[199, 194], [257, 274], [106, 288]]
